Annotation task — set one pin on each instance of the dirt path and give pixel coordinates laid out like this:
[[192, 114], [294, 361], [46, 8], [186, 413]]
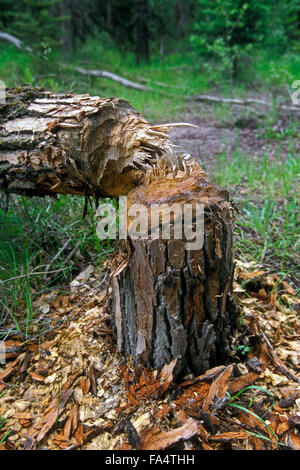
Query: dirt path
[[213, 138]]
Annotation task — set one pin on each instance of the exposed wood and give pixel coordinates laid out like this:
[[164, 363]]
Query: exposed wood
[[75, 144], [171, 302]]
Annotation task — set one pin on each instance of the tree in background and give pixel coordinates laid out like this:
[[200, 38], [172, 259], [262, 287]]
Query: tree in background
[[222, 29], [76, 23], [33, 21], [142, 44], [225, 29]]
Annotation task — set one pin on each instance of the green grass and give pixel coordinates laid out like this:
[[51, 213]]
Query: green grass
[[44, 243], [234, 402], [184, 74], [4, 436], [267, 195]]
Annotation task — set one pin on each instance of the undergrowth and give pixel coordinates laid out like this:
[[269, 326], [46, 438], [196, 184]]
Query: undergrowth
[[44, 244], [266, 194]]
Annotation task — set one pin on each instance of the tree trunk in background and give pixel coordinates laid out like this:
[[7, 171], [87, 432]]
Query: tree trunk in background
[[142, 31], [180, 14], [53, 143], [66, 28], [171, 302], [109, 21]]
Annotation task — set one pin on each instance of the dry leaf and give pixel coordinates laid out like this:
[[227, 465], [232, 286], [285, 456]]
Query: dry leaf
[[229, 436], [9, 369], [37, 377], [241, 382], [294, 441], [79, 434], [218, 389], [167, 374], [209, 375], [153, 439], [85, 384]]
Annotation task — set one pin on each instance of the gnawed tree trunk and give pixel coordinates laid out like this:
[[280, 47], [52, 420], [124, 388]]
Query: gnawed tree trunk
[[75, 144], [172, 302], [169, 301]]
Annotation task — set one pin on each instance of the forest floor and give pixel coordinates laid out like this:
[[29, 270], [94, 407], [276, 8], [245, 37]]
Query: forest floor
[[73, 390]]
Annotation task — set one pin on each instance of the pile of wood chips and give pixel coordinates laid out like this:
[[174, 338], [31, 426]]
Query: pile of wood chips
[[74, 391]]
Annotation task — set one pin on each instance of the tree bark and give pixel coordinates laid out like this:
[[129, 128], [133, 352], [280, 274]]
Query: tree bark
[[54, 143], [66, 27], [142, 31], [171, 302]]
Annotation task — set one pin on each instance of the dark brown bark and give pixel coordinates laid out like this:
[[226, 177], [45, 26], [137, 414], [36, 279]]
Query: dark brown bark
[[66, 28], [170, 302], [180, 15], [75, 144], [142, 31]]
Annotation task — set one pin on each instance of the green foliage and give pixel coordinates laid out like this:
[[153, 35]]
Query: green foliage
[[227, 30], [235, 403], [34, 21], [242, 349], [222, 28], [32, 259]]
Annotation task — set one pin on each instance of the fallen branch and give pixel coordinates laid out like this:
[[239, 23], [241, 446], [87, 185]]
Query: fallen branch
[[110, 76], [15, 41], [92, 73], [246, 102]]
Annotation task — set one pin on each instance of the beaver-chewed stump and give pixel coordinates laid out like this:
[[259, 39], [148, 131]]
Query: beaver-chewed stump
[[171, 300]]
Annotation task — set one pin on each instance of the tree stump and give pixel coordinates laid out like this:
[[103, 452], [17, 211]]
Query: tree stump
[[170, 302]]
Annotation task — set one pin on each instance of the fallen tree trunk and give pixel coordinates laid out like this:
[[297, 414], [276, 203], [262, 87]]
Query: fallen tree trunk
[[54, 143]]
